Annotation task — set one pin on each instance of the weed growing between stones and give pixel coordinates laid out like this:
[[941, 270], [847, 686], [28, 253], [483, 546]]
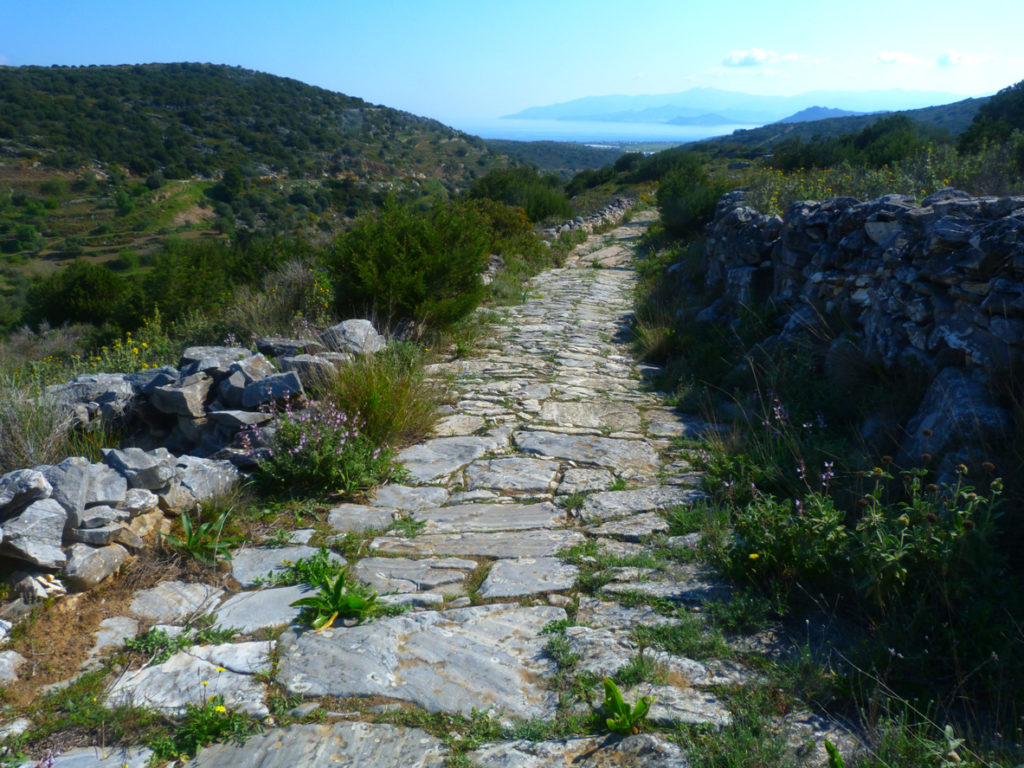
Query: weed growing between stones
[[156, 646], [340, 596], [205, 542], [201, 726], [622, 718]]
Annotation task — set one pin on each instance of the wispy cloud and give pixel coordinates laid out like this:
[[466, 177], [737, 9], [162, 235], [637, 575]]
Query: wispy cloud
[[959, 59], [895, 57], [756, 57]]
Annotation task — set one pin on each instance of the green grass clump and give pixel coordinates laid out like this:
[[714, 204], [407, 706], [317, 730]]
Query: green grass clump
[[388, 393]]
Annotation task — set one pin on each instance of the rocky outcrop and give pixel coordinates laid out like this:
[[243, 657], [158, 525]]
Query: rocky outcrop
[[937, 286]]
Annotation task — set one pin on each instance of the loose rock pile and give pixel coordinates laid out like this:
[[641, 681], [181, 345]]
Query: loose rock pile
[[610, 214]]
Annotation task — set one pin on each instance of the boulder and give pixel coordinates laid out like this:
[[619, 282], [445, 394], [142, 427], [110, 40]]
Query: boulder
[[356, 336], [213, 361], [20, 488], [35, 534], [142, 469], [278, 386], [277, 346], [88, 566], [186, 398]]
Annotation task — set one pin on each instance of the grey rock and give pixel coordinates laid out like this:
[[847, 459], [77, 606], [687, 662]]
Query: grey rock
[[530, 543], [215, 361], [144, 382], [102, 515], [10, 661], [14, 728], [311, 369], [356, 336], [409, 497], [70, 481], [369, 745], [239, 419], [688, 584], [580, 480], [250, 566], [681, 705], [528, 576], [619, 417], [614, 615], [277, 386], [438, 458], [465, 518], [20, 488], [611, 504], [279, 346], [99, 757], [175, 601], [458, 424], [185, 398], [515, 474], [629, 458], [96, 537], [34, 534], [413, 599], [499, 650], [248, 612], [634, 528], [194, 675], [207, 479], [142, 469], [88, 566], [112, 634], [105, 486], [359, 518], [649, 750], [403, 575], [111, 393], [139, 500]]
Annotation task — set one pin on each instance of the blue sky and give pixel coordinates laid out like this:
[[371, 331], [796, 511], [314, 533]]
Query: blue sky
[[484, 58]]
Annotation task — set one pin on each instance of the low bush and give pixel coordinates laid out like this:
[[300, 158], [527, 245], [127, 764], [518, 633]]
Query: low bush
[[540, 196], [687, 196], [319, 450]]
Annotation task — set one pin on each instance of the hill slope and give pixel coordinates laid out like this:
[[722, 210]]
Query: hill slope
[[200, 119]]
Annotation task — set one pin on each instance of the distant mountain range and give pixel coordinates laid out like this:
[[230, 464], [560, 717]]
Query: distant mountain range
[[712, 106]]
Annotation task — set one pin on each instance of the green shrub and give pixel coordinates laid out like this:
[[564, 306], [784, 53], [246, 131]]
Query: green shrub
[[408, 265], [540, 196], [687, 196]]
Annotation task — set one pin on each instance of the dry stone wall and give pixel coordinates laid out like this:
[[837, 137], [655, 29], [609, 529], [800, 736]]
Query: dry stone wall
[[936, 285]]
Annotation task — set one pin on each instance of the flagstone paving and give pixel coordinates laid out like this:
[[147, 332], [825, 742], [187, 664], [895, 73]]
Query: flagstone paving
[[553, 442]]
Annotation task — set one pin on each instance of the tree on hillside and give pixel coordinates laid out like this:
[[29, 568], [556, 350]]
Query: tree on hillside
[[996, 120]]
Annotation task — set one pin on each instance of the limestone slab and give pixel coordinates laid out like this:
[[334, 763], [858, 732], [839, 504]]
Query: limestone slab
[[98, 757], [498, 649], [610, 504], [171, 602], [252, 565], [629, 458], [613, 615], [615, 416], [633, 528], [681, 705], [582, 480], [490, 517], [368, 745], [649, 750], [690, 584], [516, 474], [528, 576], [359, 518], [409, 497], [248, 612], [401, 574], [437, 459], [536, 543], [194, 675]]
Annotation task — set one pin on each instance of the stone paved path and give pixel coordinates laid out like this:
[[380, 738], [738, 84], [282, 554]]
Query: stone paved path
[[552, 442]]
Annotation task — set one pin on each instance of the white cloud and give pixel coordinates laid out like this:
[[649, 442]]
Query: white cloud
[[959, 59], [895, 57], [756, 57]]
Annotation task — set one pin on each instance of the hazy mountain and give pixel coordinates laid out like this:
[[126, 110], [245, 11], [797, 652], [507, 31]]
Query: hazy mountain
[[693, 106], [817, 113]]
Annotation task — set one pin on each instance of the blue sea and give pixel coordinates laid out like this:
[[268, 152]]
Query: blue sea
[[586, 131]]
